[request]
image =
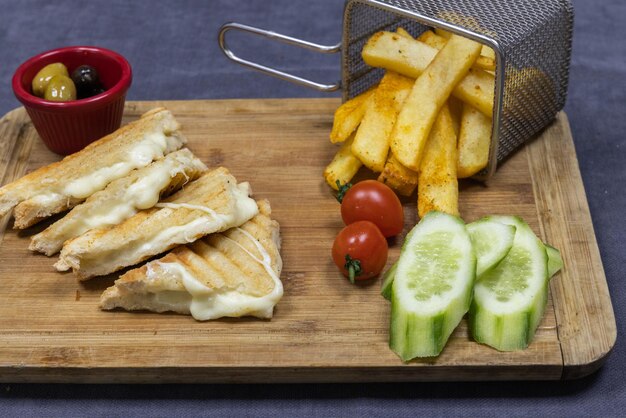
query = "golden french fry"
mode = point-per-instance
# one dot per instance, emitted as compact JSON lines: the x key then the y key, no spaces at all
{"x":430,"y":38}
{"x":485,"y":62}
{"x":456,"y":110}
{"x":430,"y":92}
{"x":398,"y":177}
{"x":348,"y":116}
{"x":397,"y":53}
{"x":438,"y":187}
{"x":443,"y":33}
{"x":411,"y":57}
{"x":403,"y":32}
{"x":474,"y":141}
{"x":477,"y":89}
{"x":343,"y":166}
{"x":371,"y":141}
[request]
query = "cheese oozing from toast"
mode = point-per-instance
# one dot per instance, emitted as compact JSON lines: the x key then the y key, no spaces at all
{"x":66,"y":183}
{"x":230,"y":274}
{"x":121,"y":199}
{"x":212,"y":203}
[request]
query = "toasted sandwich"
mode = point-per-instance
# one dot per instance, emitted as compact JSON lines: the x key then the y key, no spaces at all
{"x":230,"y":274}
{"x":212,"y":203}
{"x":64,"y":184}
{"x":121,"y":199}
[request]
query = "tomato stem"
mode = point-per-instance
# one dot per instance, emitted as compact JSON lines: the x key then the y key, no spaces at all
{"x":342,"y":190}
{"x":353,"y":266}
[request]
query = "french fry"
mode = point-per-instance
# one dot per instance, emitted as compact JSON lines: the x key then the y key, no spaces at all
{"x":486,"y":60}
{"x":343,"y":166}
{"x":474,"y":141}
{"x":398,"y":53}
{"x":443,"y":33}
{"x":477,"y":89}
{"x":348,"y":116}
{"x":456,"y":110}
{"x":430,"y":38}
{"x":438,"y":187}
{"x":398,"y":177}
{"x":371,"y":141}
{"x":430,"y":92}
{"x":411,"y":57}
{"x":403,"y":32}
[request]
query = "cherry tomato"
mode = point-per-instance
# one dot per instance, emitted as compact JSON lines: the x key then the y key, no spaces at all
{"x":360,"y":251}
{"x":373,"y":201}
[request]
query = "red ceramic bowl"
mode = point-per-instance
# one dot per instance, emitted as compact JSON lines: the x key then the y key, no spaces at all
{"x":67,"y":127}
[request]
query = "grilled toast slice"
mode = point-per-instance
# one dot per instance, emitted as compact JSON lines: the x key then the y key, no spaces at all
{"x":66,"y":183}
{"x":121,"y":199}
{"x":212,"y":203}
{"x":233,"y":273}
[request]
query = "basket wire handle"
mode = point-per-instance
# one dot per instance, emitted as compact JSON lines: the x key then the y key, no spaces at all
{"x":324,"y":49}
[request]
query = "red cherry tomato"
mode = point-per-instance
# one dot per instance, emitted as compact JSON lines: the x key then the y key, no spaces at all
{"x":360,"y":251}
{"x":373,"y":201}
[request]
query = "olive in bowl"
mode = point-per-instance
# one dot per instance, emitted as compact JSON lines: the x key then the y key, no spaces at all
{"x":68,"y":126}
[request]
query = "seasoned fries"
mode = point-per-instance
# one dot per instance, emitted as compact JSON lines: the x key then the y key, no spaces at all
{"x":427,"y":122}
{"x":343,"y":166}
{"x":398,"y":53}
{"x":437,"y":187}
{"x":398,"y":177}
{"x":371,"y":142}
{"x":410,"y":57}
{"x":348,"y":116}
{"x":431,"y":90}
{"x":474,"y":141}
{"x":486,"y":61}
{"x":477,"y":89}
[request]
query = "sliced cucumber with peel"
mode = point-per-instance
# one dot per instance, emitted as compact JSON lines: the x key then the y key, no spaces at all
{"x":432,"y":288}
{"x":555,"y":262}
{"x":509,"y":300}
{"x":492,"y":241}
{"x":388,"y":281}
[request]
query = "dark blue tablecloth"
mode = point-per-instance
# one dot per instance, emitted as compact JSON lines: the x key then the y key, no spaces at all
{"x":172,"y":47}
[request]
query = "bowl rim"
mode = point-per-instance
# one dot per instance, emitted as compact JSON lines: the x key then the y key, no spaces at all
{"x":30,"y":100}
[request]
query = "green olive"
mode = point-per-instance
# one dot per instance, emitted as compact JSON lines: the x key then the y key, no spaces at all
{"x":60,"y":89}
{"x":44,"y":75}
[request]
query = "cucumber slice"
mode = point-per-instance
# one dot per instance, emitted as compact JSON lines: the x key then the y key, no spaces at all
{"x":432,"y":287}
{"x":555,"y":262}
{"x":509,"y":300}
{"x":492,"y":241}
{"x":388,"y":281}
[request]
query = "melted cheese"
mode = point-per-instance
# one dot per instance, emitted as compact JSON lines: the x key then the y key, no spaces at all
{"x":142,"y":194}
{"x":117,"y":207}
{"x":207,"y":303}
{"x":153,"y":146}
{"x":244,"y":209}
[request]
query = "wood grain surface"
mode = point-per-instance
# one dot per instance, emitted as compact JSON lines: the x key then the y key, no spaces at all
{"x":324,"y":329}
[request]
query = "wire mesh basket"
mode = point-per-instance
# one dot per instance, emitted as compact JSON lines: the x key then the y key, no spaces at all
{"x":531,"y":40}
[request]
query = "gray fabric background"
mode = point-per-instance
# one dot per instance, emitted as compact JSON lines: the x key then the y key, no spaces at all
{"x":172,"y":47}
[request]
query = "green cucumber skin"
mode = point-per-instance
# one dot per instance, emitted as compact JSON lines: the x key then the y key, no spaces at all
{"x":555,"y":262}
{"x":514,"y":330}
{"x":412,"y":335}
{"x":510,"y":332}
{"x":388,"y":281}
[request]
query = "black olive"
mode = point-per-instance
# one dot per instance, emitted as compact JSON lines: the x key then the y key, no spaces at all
{"x":86,"y":80}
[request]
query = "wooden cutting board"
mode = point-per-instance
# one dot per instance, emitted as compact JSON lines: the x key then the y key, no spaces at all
{"x":324,"y":328}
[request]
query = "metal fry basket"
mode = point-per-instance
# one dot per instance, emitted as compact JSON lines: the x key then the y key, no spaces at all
{"x":531,"y":40}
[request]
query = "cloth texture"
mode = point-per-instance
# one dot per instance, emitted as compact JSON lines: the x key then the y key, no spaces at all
{"x":173,"y":49}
